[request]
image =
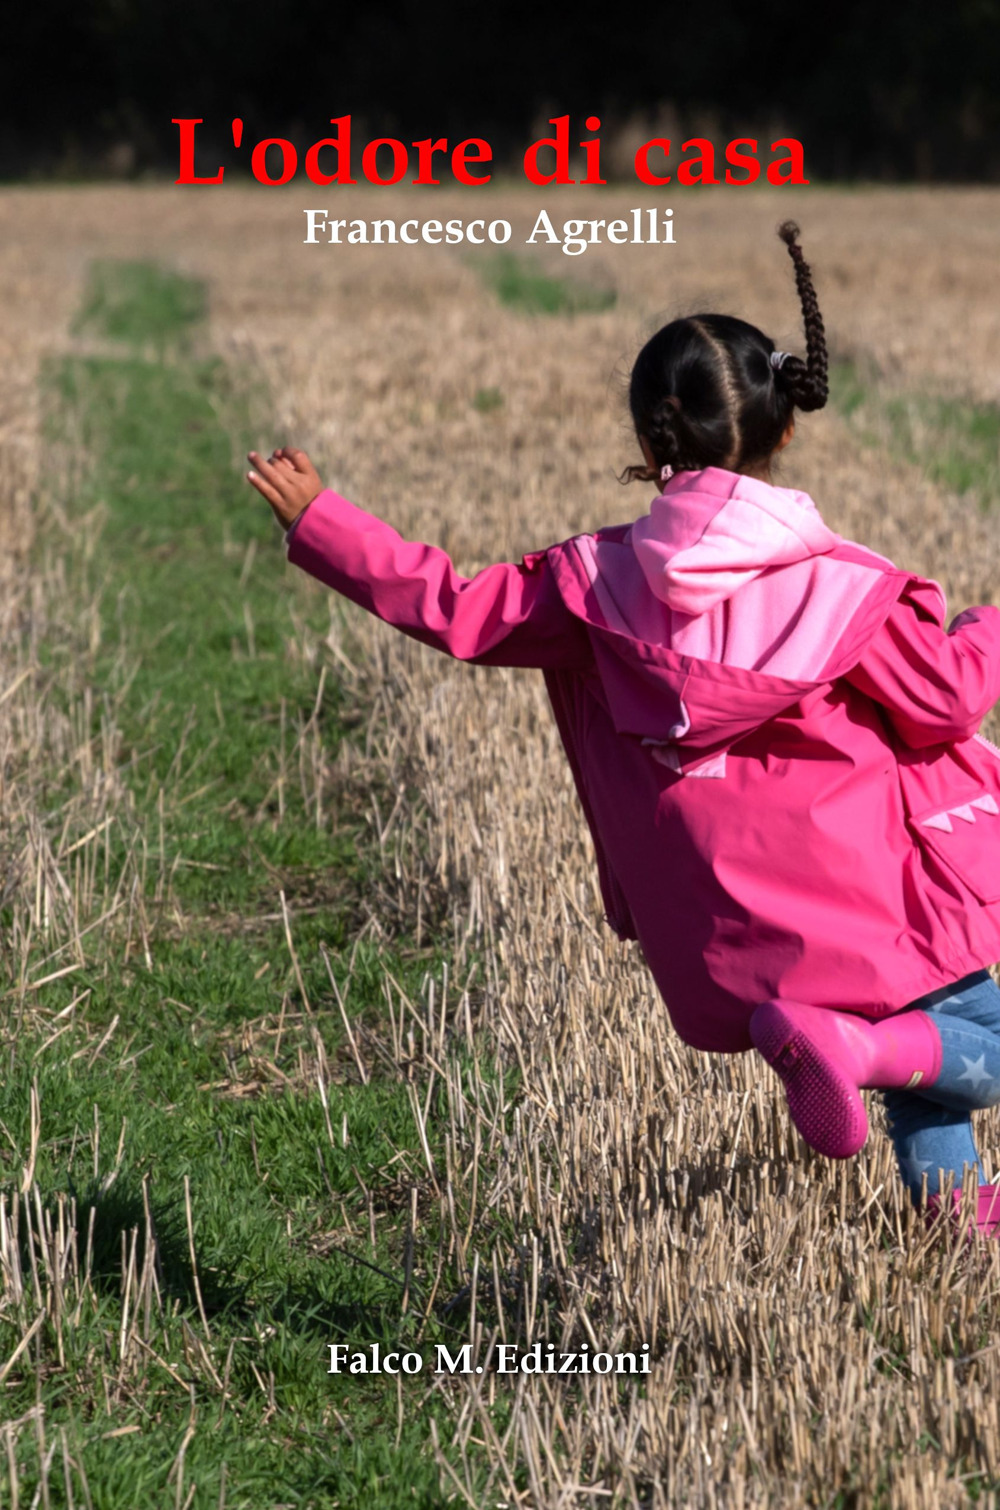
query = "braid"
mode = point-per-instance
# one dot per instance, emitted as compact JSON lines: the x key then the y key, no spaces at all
{"x":663,"y":435}
{"x":806,"y":381}
{"x":661,"y":429}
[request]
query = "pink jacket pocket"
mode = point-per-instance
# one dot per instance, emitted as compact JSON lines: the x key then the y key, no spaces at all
{"x":952,"y":806}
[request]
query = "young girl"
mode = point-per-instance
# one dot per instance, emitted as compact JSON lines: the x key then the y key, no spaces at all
{"x":772,"y":735}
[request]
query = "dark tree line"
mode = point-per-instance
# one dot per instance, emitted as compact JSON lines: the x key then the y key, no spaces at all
{"x":873,"y":91}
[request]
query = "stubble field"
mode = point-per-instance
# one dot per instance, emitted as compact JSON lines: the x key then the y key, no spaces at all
{"x":557,"y":1166}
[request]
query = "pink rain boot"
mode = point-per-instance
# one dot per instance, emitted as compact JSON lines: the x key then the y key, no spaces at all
{"x":987,"y":1213}
{"x":825,"y":1058}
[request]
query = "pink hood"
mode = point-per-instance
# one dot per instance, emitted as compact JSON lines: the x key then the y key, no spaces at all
{"x":701,"y":542}
{"x":735,"y":597}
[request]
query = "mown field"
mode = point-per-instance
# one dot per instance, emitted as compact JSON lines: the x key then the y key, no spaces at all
{"x":312,"y":1032}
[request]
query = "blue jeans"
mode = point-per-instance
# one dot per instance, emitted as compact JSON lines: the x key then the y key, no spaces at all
{"x":931,"y":1130}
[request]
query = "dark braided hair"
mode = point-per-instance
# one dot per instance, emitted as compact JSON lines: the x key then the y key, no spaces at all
{"x":703,"y":391}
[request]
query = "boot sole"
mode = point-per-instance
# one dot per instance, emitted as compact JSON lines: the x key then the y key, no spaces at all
{"x":823,"y":1103}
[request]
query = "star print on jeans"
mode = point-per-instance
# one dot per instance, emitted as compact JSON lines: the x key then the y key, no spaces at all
{"x":912,"y":1167}
{"x":975,"y":1071}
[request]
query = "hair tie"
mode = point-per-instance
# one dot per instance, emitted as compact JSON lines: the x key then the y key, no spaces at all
{"x":779,"y":358}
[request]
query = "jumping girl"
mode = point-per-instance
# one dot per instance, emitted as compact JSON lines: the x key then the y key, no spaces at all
{"x":773,"y":737}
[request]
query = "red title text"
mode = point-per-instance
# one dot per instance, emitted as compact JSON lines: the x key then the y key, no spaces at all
{"x":551,"y":160}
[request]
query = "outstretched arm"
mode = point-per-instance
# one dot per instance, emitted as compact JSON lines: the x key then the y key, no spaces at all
{"x":507,"y":615}
{"x":934,"y":684}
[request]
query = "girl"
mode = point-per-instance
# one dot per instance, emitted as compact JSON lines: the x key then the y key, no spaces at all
{"x":772,"y":735}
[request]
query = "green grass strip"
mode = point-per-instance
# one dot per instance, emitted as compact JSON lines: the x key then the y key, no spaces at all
{"x":955,"y":441}
{"x":196,"y":610}
{"x":521,"y":286}
{"x":138,"y":302}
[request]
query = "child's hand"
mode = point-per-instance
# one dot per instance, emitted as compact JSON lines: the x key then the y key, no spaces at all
{"x":288,"y":480}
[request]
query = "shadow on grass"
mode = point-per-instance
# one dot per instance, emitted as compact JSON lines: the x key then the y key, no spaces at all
{"x":109,"y":1220}
{"x":114,"y":1229}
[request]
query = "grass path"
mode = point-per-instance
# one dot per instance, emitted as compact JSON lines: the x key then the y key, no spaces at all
{"x":180,"y":1357}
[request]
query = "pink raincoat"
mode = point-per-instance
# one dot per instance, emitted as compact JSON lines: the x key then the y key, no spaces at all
{"x":772,"y":735}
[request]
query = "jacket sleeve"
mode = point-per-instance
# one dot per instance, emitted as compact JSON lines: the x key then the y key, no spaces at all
{"x":506,"y":615}
{"x":935,"y":685}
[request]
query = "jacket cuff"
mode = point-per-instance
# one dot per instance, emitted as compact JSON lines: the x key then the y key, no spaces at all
{"x":324,"y":520}
{"x":298,"y":520}
{"x":292,"y":527}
